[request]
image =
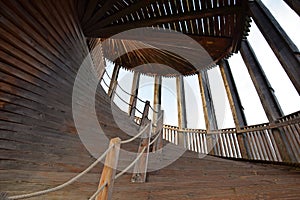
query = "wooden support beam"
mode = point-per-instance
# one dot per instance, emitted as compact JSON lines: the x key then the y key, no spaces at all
{"x":157,"y":97}
{"x":237,"y":109}
{"x":208,"y":111}
{"x":109,"y":170}
{"x":113,"y":81}
{"x":104,"y":32}
{"x":134,"y":93}
{"x":267,"y":97}
{"x":285,"y":50}
{"x":91,"y":5}
{"x":100,"y":13}
{"x":140,"y":168}
{"x":126,"y":11}
{"x":157,"y":107}
{"x":208,"y":105}
{"x":232,"y":94}
{"x":261,"y":83}
{"x":181,"y":105}
{"x":294,"y":4}
{"x":158,"y":144}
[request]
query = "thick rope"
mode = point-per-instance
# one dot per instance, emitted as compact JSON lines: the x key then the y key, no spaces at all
{"x":131,"y":165}
{"x":72,"y":180}
{"x":98,"y":191}
{"x":156,"y":137}
{"x":136,"y":136}
{"x":153,"y":109}
{"x":105,"y":83}
{"x":138,"y":111}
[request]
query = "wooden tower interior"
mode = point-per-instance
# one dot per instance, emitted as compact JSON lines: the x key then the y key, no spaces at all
{"x":62,"y":136}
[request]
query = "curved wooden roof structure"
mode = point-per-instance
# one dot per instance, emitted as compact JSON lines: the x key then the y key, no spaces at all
{"x":218,"y":26}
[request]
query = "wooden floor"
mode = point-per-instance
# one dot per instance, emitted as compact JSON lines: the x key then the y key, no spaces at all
{"x":187,"y":178}
{"x":43,"y":161}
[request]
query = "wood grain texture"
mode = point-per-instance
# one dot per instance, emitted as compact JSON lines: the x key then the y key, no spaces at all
{"x":41,"y":49}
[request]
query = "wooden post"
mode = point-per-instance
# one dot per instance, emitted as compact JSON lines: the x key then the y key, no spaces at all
{"x":134,"y":93}
{"x":266,"y":96}
{"x":157,"y":107}
{"x":182,"y":120}
{"x":208,"y":110}
{"x":235,"y":105}
{"x":294,"y":4}
{"x":112,"y":92}
{"x":140,"y":168}
{"x":159,"y":142}
{"x":283,"y":47}
{"x":113,"y":80}
{"x":157,"y":129}
{"x":261,"y":83}
{"x":109,"y":170}
{"x":145,"y":113}
{"x":157,"y":97}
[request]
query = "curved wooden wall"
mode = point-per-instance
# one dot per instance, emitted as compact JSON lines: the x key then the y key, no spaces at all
{"x":41,"y":48}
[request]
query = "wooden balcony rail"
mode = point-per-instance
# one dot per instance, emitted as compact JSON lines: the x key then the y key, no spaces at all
{"x":260,"y":140}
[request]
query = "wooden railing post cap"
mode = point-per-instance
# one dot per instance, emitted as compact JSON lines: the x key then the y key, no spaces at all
{"x":115,"y":140}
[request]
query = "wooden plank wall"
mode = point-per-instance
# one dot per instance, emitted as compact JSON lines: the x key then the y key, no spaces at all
{"x":41,"y":49}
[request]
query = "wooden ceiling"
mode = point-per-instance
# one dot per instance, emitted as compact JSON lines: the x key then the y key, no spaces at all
{"x":217,"y":25}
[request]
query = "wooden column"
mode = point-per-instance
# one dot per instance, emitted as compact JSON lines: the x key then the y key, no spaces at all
{"x":285,"y":50}
{"x":181,"y":105}
{"x":109,"y":170}
{"x":235,"y":105}
{"x":266,"y":95}
{"x":208,"y":105}
{"x":113,"y":81}
{"x":157,"y":107}
{"x":134,"y":93}
{"x":157,"y":97}
{"x":208,"y":110}
{"x":294,"y":4}
{"x":261,"y":83}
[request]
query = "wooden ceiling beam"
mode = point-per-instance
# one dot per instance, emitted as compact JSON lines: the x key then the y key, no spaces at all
{"x":240,"y":26}
{"x":98,"y":31}
{"x":101,"y":12}
{"x":128,"y":10}
{"x":91,"y":5}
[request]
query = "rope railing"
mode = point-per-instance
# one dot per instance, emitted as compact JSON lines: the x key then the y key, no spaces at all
{"x":155,"y":139}
{"x":98,"y":191}
{"x":136,"y":136}
{"x":122,"y":89}
{"x":138,"y":110}
{"x":153,"y":109}
{"x":122,"y":99}
{"x":72,"y":180}
{"x":131,"y":164}
{"x":132,"y":105}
